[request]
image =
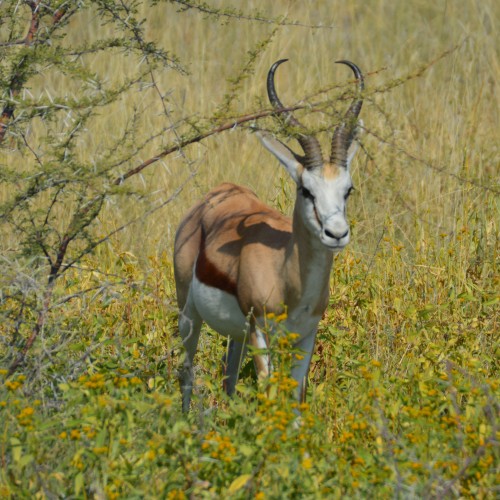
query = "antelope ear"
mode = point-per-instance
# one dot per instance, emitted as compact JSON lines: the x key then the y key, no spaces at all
{"x":353,"y":148}
{"x":284,"y":154}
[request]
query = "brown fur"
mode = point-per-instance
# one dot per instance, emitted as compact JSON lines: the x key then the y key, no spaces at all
{"x":245,"y":248}
{"x":330,"y":171}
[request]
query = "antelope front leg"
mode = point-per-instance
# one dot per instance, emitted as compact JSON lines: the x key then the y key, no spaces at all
{"x":301,"y":367}
{"x":236,"y":352}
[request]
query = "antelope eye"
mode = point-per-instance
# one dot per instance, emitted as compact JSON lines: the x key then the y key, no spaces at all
{"x":349,"y":191}
{"x":307,"y":194}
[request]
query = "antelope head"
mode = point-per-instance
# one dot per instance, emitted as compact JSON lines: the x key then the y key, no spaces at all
{"x":323,"y":185}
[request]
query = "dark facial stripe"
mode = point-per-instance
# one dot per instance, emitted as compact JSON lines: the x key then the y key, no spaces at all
{"x":208,"y":273}
{"x":317,"y":216}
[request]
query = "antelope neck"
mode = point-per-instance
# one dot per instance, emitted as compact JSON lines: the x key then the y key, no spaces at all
{"x":307,"y":255}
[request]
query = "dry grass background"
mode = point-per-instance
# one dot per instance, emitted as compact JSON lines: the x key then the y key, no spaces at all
{"x":428,"y":141}
{"x":425,"y":139}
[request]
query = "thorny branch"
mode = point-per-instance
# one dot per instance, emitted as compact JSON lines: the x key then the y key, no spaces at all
{"x":232,"y":124}
{"x":18,"y":78}
{"x":236,"y":14}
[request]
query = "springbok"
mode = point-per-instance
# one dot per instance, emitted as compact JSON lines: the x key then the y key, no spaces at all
{"x":236,"y":259}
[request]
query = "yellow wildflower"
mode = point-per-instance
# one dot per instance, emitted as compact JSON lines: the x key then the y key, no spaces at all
{"x":100,"y":450}
{"x":346,"y":436}
{"x":281,"y":317}
{"x":89,"y":432}
{"x":13,"y":385}
{"x":176,"y":495}
{"x":121,"y":381}
{"x":75,"y":434}
{"x":25,"y":416}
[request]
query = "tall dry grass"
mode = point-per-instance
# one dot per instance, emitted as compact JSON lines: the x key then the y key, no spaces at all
{"x":430,"y":142}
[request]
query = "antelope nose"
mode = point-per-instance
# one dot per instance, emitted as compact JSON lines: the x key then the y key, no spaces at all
{"x":336,"y":234}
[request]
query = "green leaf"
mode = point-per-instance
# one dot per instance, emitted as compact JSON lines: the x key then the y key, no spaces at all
{"x":16,"y":449}
{"x":239,"y":483}
{"x":79,"y":480}
{"x":25,"y":460}
{"x":246,"y":450}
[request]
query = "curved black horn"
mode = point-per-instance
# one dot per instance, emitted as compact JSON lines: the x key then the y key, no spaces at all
{"x":344,"y":133}
{"x":313,"y":158}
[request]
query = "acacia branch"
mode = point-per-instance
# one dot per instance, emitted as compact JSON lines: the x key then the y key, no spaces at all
{"x":40,"y":322}
{"x":203,"y":135}
{"x":232,"y":13}
{"x":269,"y":112}
{"x":19,"y":77}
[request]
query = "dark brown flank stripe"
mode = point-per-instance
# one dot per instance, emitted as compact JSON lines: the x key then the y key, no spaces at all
{"x":208,"y":274}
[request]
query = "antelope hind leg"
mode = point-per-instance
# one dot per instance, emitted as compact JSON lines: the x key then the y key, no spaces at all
{"x":189,"y":329}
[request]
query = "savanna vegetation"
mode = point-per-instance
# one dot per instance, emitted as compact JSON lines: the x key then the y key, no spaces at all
{"x":116,"y":117}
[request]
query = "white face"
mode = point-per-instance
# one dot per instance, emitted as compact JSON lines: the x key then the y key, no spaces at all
{"x":322,"y":193}
{"x":322,"y":197}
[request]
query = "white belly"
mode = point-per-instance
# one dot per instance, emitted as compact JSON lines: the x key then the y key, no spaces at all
{"x":220,"y":310}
